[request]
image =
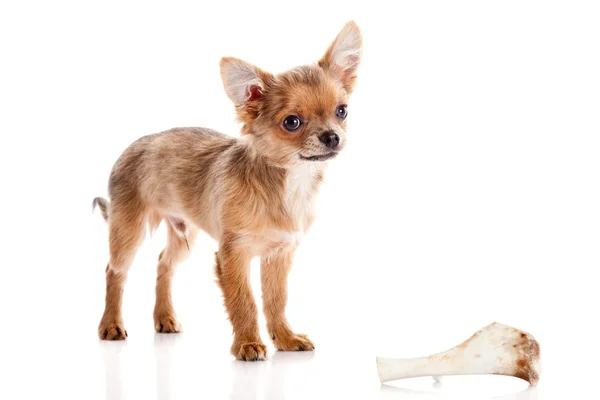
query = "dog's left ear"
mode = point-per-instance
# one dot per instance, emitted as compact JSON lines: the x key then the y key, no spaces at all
{"x":343,"y":56}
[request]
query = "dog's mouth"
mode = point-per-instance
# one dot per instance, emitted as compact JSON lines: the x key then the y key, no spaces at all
{"x":319,"y":157}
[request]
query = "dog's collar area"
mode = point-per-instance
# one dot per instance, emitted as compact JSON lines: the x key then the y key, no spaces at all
{"x":319,"y":157}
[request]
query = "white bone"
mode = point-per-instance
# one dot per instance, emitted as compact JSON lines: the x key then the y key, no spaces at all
{"x":495,"y":349}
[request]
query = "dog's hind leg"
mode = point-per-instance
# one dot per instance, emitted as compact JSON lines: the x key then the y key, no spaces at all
{"x":180,"y":238}
{"x":126,"y":231}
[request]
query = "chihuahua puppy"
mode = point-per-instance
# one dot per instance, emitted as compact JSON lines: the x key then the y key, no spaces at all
{"x":254,"y":194}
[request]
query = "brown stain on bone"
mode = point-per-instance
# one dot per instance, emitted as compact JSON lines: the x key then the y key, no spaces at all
{"x":529,"y":352}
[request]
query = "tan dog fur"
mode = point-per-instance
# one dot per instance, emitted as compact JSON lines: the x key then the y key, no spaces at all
{"x":254,"y":195}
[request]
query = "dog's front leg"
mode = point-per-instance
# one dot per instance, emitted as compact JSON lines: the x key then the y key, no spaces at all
{"x":274,"y":274}
{"x":233,"y":270}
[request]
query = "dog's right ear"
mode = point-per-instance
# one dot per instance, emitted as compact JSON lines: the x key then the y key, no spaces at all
{"x":244,"y":83}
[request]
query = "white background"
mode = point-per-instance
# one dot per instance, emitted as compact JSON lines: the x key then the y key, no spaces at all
{"x":469,"y":194}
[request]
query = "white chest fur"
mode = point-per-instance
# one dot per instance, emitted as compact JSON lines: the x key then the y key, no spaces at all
{"x":300,"y":193}
{"x":299,"y":201}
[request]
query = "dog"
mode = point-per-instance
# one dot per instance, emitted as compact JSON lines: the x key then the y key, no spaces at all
{"x":253,"y":194}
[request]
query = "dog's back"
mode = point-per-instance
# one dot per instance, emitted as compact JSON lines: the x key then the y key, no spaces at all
{"x":169,"y":172}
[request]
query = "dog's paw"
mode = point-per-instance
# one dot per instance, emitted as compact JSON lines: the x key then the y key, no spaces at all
{"x":253,"y":351}
{"x":112,"y":331}
{"x":166,"y":324}
{"x":293,"y":342}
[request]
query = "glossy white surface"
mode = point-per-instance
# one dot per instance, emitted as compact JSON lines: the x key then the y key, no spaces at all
{"x":469,"y":193}
{"x":161,"y":366}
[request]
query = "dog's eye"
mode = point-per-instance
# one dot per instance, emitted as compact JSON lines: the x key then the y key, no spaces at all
{"x":292,"y":123}
{"x":342,"y":111}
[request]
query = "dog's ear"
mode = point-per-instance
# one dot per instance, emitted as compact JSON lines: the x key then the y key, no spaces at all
{"x":343,"y":56}
{"x":243,"y":81}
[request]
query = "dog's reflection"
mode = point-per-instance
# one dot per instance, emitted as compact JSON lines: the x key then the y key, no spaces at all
{"x":111,"y":353}
{"x":113,"y":361}
{"x":250,"y":380}
{"x":249,"y":377}
{"x":246,"y":379}
{"x":164,"y":345}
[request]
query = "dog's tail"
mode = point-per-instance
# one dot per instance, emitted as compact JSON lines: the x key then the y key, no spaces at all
{"x":103,"y":205}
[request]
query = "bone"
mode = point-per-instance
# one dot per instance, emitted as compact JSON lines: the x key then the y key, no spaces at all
{"x":495,"y":349}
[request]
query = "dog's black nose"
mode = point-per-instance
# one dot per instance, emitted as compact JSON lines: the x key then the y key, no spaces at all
{"x":330,"y":139}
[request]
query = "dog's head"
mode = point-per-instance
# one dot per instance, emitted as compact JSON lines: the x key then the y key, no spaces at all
{"x":298,"y":116}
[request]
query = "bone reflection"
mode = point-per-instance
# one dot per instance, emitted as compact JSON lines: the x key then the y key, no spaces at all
{"x":528,"y":394}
